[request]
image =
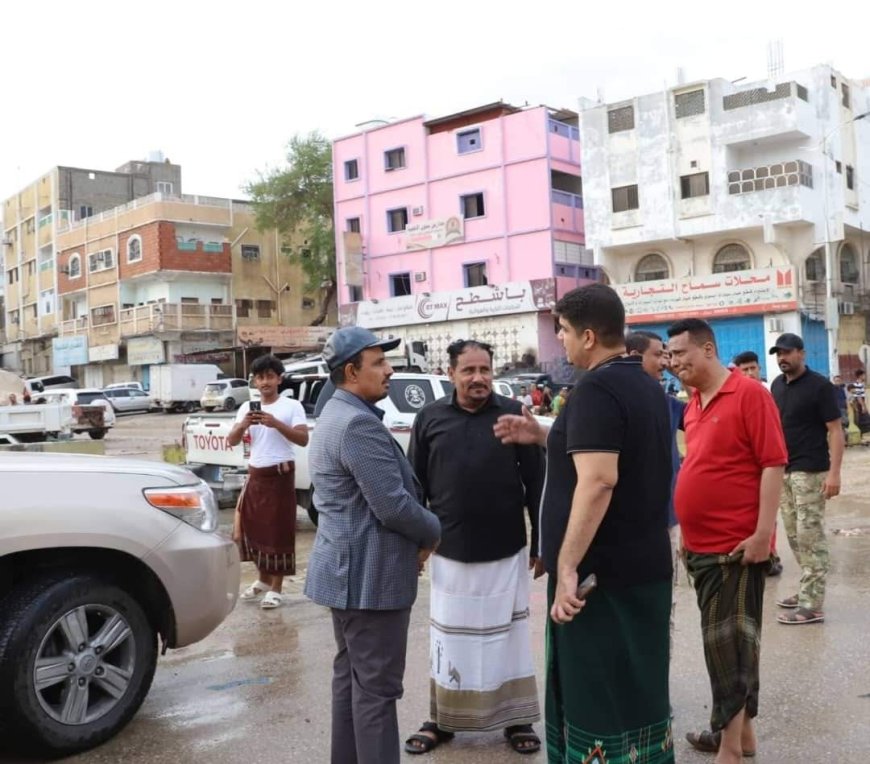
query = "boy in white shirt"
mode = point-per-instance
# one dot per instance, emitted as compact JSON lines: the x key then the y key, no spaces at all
{"x":265,"y":521}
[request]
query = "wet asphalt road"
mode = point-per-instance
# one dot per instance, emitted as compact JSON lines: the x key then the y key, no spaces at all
{"x":257,"y":690}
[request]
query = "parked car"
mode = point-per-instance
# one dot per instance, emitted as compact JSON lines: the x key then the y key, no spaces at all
{"x":123,"y":385}
{"x":226,"y":394}
{"x":96,"y":564}
{"x":54,"y":382}
{"x":128,"y":399}
{"x":92,"y":412}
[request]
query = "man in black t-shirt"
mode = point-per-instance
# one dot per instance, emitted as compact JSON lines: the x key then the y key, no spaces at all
{"x":814,"y":438}
{"x":605,"y":512}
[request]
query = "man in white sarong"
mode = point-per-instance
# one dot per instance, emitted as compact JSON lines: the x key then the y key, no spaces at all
{"x":481,"y":673}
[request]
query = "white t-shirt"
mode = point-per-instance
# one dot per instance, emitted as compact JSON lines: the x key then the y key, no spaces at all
{"x":268,"y":446}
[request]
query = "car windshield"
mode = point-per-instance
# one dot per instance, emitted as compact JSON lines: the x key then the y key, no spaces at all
{"x":214,"y":388}
{"x":87,"y":398}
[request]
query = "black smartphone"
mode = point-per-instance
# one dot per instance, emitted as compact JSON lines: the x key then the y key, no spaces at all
{"x":255,"y":407}
{"x":586,"y":586}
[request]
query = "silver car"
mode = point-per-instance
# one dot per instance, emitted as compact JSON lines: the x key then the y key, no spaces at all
{"x":128,"y":399}
{"x":97,"y":563}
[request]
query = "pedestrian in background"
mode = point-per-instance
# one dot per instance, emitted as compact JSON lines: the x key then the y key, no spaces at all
{"x":525,"y":398}
{"x":814,"y":437}
{"x":265,"y":519}
{"x":560,"y":400}
{"x":373,"y":536}
{"x":842,"y":398}
{"x":655,"y":360}
{"x":605,"y":512}
{"x":482,"y":676}
{"x":726,"y":499}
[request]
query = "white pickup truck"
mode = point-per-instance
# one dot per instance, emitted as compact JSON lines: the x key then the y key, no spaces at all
{"x":35,"y":422}
{"x":224,"y":467}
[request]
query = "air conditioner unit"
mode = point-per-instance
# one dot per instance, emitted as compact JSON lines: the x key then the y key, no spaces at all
{"x":420,"y":276}
{"x":847,"y":308}
{"x":774,"y":325}
{"x":417,"y":211}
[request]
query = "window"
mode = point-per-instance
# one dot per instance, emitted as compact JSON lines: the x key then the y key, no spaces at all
{"x":652,"y":267}
{"x":838,"y":166}
{"x":472,"y":206}
{"x":624,"y":198}
{"x":400,"y":284}
{"x":47,"y":302}
{"x":75,"y":266}
{"x":217,"y":301}
{"x":164,"y":187}
{"x":14,"y":317}
{"x":815,"y":266}
{"x":397,"y":220}
{"x":474,"y":274}
{"x":848,"y":265}
{"x":468,"y":141}
{"x":847,"y":96}
{"x":694,"y":185}
{"x":190,"y":300}
{"x":568,"y":252}
{"x":265,"y":308}
{"x":620,"y":119}
{"x":250,"y":251}
{"x":101,"y":261}
{"x":353,"y":225}
{"x":243,"y":308}
{"x":410,"y":395}
{"x":105,"y":314}
{"x":85,"y":211}
{"x":351,"y":169}
{"x":689,"y":104}
{"x":355,"y":293}
{"x":12,"y":276}
{"x":394,"y":159}
{"x":134,"y":249}
{"x":833,"y":82}
{"x":307,"y":303}
{"x":850,"y":178}
{"x":732,"y":257}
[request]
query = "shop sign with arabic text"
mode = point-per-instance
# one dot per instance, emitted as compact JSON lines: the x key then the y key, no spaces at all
{"x":771,"y":290}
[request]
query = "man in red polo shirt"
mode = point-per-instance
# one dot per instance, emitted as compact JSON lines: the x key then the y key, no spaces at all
{"x":726,"y":500}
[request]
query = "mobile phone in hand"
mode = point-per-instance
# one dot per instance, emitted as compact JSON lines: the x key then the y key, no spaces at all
{"x":586,"y":586}
{"x":255,"y":407}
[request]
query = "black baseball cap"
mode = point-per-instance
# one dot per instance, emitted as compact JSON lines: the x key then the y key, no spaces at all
{"x":787,"y":341}
{"x":343,"y":344}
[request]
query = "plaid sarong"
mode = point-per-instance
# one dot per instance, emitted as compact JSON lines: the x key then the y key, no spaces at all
{"x":730,"y":596}
{"x":607,"y":679}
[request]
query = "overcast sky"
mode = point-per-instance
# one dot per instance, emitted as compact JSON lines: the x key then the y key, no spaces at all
{"x":220,"y":86}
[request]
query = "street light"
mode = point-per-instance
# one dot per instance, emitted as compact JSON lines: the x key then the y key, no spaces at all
{"x":831,"y":308}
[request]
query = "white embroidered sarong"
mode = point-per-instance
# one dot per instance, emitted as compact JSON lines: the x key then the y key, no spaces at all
{"x":481,"y":674}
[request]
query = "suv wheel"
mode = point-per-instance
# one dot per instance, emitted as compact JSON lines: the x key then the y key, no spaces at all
{"x":77,"y":656}
{"x":229,"y":404}
{"x":97,"y":434}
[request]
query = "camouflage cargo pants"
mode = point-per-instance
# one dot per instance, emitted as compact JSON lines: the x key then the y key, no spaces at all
{"x":803,"y":513}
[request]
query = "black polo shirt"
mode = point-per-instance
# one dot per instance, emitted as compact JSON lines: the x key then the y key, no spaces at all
{"x":806,"y":405}
{"x":616,"y":408}
{"x":477,"y":486}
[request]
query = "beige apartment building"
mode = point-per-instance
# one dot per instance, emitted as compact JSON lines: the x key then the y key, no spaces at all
{"x":171,"y":279}
{"x":108,"y":289}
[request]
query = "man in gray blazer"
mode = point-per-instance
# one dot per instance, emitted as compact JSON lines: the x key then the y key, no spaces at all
{"x":373,"y":536}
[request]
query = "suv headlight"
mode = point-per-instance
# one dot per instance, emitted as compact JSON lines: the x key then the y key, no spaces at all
{"x":195,"y":504}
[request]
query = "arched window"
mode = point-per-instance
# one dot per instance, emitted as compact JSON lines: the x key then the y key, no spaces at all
{"x":134,"y":248}
{"x":732,"y":257}
{"x":815,"y":265}
{"x":849,"y":273}
{"x":652,"y":267}
{"x":75,"y":266}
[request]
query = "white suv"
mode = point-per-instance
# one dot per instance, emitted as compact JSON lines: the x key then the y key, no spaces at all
{"x":226,"y":394}
{"x":96,"y":563}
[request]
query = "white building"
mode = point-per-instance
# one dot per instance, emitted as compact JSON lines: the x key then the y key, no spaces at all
{"x":717,"y":199}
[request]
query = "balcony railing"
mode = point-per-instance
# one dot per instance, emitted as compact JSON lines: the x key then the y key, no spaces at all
{"x":776,"y":175}
{"x":175,"y":317}
{"x":569,"y":200}
{"x":763,"y":95}
{"x":74,"y":326}
{"x":566,"y":131}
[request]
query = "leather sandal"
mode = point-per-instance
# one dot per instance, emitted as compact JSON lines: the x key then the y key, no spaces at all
{"x":789,"y":602}
{"x":708,"y":742}
{"x":523,"y":739}
{"x":800,"y":616}
{"x":420,"y":743}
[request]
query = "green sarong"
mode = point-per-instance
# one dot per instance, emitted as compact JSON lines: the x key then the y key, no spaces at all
{"x":607,"y":679}
{"x":730,"y":596}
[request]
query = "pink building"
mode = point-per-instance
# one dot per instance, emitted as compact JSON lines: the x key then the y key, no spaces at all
{"x":469,"y":225}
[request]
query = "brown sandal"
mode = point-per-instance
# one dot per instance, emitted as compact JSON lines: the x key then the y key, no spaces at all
{"x":789,"y":602}
{"x":523,"y":739}
{"x":800,"y":616}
